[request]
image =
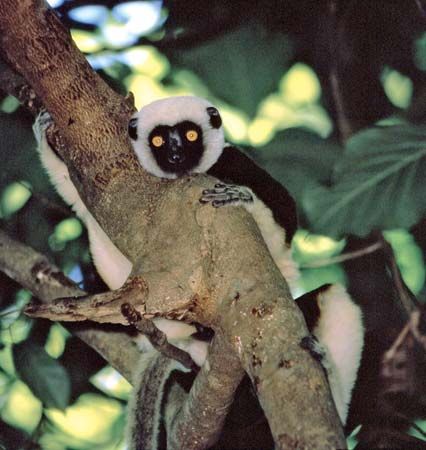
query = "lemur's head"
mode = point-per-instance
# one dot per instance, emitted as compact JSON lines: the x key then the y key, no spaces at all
{"x":177,"y":136}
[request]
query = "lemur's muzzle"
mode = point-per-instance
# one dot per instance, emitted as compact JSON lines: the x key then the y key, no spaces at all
{"x":175,"y":153}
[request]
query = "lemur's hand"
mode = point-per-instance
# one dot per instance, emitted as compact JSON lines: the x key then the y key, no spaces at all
{"x":41,"y":124}
{"x":226,"y":194}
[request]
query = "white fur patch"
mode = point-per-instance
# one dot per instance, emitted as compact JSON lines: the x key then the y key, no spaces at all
{"x":178,"y":333}
{"x":274,"y":237}
{"x":341,"y":333}
{"x":113,"y":267}
{"x":170,"y":111}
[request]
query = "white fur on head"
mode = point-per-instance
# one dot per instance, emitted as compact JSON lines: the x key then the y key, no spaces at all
{"x":170,"y":111}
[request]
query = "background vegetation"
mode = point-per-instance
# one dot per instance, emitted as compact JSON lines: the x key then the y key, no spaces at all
{"x":328,"y":96}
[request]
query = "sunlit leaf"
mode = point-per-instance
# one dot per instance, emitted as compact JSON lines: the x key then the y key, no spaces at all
{"x":87,"y":42}
{"x":378,"y":183}
{"x":312,"y":247}
{"x":261,"y":131}
{"x":112,"y":383}
{"x":45,"y":376}
{"x":300,"y":85}
{"x":68,"y":230}
{"x":140,"y":17}
{"x":90,"y":418}
{"x":235,"y":123}
{"x":145,"y":89}
{"x":55,"y":343}
{"x":90,"y":14}
{"x":409,"y":258}
{"x":116,"y":35}
{"x":6,"y":360}
{"x":398,"y":87}
{"x":9,"y":104}
{"x":146,"y":60}
{"x":13,"y":198}
{"x":22,"y":409}
{"x":16,"y":331}
{"x":253,"y":59}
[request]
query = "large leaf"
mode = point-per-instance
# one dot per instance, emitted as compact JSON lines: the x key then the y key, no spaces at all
{"x":241,"y":67}
{"x":298,"y":159}
{"x":379,"y":183}
{"x":45,"y":376}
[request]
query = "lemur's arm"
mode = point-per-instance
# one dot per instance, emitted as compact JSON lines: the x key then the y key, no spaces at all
{"x":233,"y":166}
{"x":111,"y":264}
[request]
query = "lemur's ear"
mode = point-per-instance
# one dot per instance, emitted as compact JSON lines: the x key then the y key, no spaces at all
{"x":215,"y":119}
{"x":133,"y":128}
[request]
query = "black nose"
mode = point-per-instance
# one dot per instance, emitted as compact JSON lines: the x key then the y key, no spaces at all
{"x":176,"y":157}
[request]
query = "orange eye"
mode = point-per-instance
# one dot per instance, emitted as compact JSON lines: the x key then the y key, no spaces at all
{"x":191,"y":135}
{"x":157,"y":141}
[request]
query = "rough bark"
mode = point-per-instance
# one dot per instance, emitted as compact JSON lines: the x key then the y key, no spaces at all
{"x":214,"y":258}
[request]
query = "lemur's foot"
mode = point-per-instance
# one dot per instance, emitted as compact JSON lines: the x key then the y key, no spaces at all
{"x":226,"y":194}
{"x":311,"y":344}
{"x":41,"y":124}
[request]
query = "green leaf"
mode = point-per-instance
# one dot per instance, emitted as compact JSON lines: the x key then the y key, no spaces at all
{"x":298,"y":159}
{"x":241,"y":67}
{"x":45,"y":376}
{"x":378,"y":184}
{"x":409,"y":258}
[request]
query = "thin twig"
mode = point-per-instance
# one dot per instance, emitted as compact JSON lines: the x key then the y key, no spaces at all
{"x":157,"y":338}
{"x":342,"y":257}
{"x":407,"y":298}
{"x":343,"y":123}
{"x":422,"y":7}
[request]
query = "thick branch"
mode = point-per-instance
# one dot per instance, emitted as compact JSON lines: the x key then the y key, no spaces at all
{"x":34,"y":272}
{"x":197,"y":425}
{"x":144,"y":294}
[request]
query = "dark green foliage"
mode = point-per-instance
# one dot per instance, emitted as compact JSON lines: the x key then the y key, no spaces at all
{"x":241,"y":67}
{"x":45,"y":376}
{"x":299,"y":159}
{"x":378,"y":183}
